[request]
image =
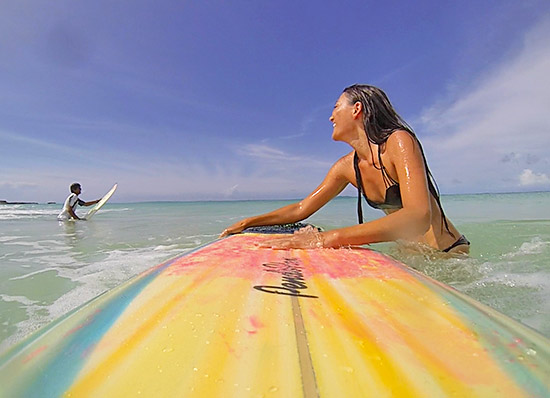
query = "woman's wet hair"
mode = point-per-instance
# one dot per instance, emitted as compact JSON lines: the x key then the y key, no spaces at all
{"x":379,"y":117}
{"x":380,"y":120}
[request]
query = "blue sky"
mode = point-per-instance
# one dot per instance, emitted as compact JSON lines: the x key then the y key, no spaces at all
{"x":202,"y":100}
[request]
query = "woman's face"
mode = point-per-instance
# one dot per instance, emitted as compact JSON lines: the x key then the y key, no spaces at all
{"x":342,"y":118}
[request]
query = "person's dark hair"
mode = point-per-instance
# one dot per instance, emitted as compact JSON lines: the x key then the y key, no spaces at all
{"x":380,"y":120}
{"x":74,"y":186}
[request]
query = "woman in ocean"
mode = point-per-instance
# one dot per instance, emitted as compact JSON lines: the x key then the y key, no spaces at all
{"x":388,"y":167}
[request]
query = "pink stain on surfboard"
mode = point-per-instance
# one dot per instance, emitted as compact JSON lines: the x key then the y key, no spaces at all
{"x":255,"y":323}
{"x":245,"y":259}
{"x":34,"y":354}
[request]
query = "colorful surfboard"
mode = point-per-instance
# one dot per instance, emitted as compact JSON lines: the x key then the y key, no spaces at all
{"x":232,"y":319}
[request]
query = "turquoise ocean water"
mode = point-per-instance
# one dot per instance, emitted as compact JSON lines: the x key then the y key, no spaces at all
{"x":48,"y":268}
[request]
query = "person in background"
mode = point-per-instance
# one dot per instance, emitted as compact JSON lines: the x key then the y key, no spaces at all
{"x":388,"y":167}
{"x":71,"y":202}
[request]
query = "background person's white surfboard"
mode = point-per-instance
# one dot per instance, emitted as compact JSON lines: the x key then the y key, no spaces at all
{"x":101,"y":202}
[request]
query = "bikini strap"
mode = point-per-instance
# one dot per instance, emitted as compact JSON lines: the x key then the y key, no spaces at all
{"x":388,"y":181}
{"x":359,"y":184}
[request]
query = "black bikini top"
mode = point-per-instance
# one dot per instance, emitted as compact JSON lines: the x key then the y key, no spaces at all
{"x":393,"y":194}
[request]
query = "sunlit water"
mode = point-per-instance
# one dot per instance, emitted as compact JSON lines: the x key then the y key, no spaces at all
{"x":48,"y":267}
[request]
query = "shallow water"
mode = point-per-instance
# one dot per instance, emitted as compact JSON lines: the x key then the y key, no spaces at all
{"x":48,"y":267}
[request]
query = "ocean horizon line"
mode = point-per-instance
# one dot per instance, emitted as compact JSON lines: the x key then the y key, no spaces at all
{"x":6,"y":202}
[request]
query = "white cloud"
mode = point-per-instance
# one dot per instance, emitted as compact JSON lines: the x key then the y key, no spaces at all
{"x":29,"y":141}
{"x":504,"y":112}
{"x":266,"y":152}
{"x":278,"y":157}
{"x":529,"y":178}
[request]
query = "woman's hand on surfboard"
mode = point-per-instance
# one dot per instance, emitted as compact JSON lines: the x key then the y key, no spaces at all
{"x":233,"y":229}
{"x":305,"y":238}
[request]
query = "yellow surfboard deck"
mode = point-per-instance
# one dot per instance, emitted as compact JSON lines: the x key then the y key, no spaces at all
{"x":232,"y":319}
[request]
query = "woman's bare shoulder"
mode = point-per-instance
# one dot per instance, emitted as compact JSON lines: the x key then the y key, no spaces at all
{"x":347,"y":157}
{"x":401,"y":140}
{"x":343,"y":167}
{"x":345,"y":161}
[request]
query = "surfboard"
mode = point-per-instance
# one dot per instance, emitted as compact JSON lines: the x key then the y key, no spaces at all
{"x":101,"y":202}
{"x":234,"y":319}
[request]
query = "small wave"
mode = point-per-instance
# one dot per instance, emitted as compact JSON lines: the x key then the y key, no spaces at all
{"x":34,"y":312}
{"x":117,"y":266}
{"x":38,"y":249}
{"x":200,"y":239}
{"x":11,"y":214}
{"x":30,"y":274}
{"x":165,"y":247}
{"x":534,"y":246}
{"x":455,"y":271}
{"x":18,"y":299}
{"x":537,"y":280}
{"x":4,"y":239}
{"x":111,"y":210}
{"x":202,"y":236}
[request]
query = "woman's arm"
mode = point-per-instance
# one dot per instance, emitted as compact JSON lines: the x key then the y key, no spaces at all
{"x":334,"y":182}
{"x":409,"y":222}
